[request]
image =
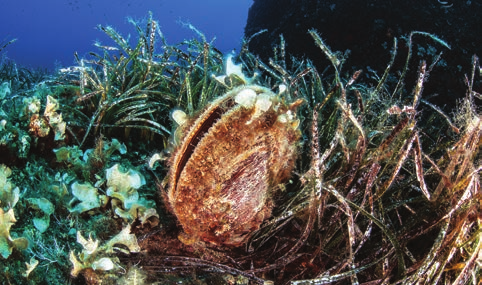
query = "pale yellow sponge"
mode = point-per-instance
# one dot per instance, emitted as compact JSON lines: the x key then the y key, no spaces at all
{"x":9,"y":196}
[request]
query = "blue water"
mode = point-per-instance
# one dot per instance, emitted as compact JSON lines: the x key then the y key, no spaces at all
{"x":49,"y":32}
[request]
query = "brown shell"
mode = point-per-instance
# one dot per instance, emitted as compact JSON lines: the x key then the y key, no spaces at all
{"x":223,"y":172}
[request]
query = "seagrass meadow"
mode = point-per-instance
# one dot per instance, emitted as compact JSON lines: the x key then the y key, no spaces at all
{"x":110,"y":170}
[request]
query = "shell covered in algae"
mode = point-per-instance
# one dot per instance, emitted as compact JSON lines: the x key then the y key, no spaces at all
{"x":229,"y":161}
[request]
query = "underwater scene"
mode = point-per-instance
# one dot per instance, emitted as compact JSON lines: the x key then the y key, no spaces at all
{"x":331,"y":142}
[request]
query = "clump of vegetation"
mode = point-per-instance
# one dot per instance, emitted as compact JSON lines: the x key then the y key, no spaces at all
{"x":57,"y":135}
{"x":126,"y":88}
{"x":388,"y":189}
{"x":389,"y":193}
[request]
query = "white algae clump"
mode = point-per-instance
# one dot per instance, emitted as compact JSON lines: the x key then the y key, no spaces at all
{"x":46,"y":208}
{"x":95,"y":256}
{"x":86,"y":198}
{"x":123,"y":186}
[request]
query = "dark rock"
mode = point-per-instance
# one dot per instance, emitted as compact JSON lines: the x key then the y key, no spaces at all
{"x":367,"y":29}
